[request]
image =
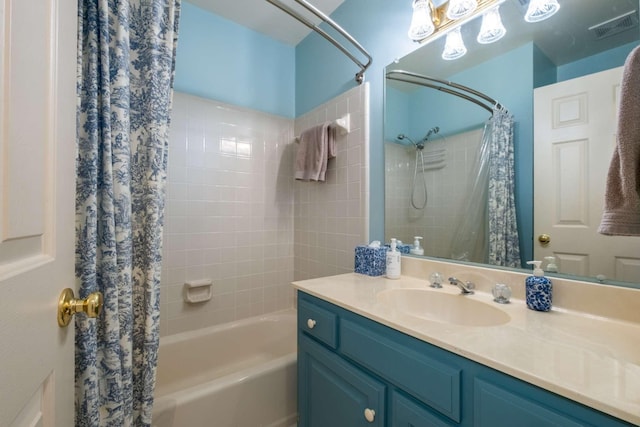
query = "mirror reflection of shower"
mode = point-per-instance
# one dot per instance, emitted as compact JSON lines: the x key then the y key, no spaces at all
{"x":419,"y":157}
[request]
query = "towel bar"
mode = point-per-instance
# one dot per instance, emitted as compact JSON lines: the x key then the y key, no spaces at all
{"x":342,"y":126}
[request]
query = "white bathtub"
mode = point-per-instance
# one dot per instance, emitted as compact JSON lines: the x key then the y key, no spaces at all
{"x":241,"y":374}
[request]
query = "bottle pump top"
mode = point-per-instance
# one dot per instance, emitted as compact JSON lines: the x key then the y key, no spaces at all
{"x":537,"y":271}
{"x":393,"y":244}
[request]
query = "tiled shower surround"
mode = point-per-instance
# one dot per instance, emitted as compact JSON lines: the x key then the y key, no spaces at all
{"x":331,"y":218}
{"x":447,"y":186}
{"x":234,"y":210}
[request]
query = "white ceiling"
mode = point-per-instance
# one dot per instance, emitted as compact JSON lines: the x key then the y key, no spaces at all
{"x":265,"y":18}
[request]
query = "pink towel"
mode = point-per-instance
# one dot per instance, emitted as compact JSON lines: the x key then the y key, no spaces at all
{"x":317,"y":146}
{"x":622,"y":197}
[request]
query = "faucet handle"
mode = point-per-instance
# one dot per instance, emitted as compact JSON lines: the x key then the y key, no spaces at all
{"x":436,"y":279}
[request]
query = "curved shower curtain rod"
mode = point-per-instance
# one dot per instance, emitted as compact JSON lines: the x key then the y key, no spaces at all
{"x":402,"y":77}
{"x":332,"y":24}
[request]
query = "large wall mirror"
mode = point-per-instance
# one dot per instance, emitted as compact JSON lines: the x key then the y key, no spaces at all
{"x":559,"y":79}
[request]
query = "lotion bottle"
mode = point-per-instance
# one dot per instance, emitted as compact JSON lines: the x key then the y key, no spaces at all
{"x":538,"y":289}
{"x":393,"y":261}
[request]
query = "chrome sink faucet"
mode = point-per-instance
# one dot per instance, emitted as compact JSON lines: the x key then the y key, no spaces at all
{"x":465,"y":287}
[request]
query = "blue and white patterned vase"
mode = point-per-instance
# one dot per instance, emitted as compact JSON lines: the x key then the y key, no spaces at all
{"x":538,"y":292}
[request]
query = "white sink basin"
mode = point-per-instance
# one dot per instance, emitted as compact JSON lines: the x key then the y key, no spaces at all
{"x":442,"y":307}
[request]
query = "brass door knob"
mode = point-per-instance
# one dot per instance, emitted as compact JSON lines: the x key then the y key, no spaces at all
{"x":544,"y":239}
{"x":68,"y":305}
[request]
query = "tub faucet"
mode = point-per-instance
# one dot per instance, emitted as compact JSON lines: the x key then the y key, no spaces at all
{"x":465,"y":288}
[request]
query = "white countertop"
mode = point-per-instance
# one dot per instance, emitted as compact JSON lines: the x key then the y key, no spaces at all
{"x":591,"y":359}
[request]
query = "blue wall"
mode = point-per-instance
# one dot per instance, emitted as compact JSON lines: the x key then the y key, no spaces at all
{"x":596,"y":63}
{"x":221,"y":60}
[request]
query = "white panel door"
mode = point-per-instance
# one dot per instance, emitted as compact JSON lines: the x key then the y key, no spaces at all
{"x":37,"y":186}
{"x":574,"y":139}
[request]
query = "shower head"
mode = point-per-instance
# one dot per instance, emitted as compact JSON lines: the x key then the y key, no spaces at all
{"x":403,"y":137}
{"x":433,"y":130}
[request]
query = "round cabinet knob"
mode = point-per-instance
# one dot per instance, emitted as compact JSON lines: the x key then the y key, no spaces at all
{"x":369,"y":415}
{"x":545,"y":239}
{"x":311,"y":323}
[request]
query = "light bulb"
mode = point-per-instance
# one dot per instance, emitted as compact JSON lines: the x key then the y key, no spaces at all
{"x":454,"y":47}
{"x":539,"y":10}
{"x":460,"y":8}
{"x":421,"y":22}
{"x":491,"y":29}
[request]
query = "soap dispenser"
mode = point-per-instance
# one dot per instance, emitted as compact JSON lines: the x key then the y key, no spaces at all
{"x":551,"y":264}
{"x":417,"y":249}
{"x":393,"y":261}
{"x":538,"y":289}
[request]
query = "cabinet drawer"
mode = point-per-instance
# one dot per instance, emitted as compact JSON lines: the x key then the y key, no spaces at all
{"x":318,"y":323}
{"x":426,"y":379}
{"x":407,"y":413}
{"x":496,"y":407}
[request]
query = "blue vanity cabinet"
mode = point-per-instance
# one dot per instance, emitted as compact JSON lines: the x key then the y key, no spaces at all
{"x":348,"y":363}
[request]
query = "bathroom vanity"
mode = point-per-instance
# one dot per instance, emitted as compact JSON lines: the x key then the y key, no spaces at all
{"x":365,"y":358}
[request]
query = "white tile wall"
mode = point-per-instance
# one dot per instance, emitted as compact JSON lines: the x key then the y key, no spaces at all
{"x":331,"y":218}
{"x":229,"y":213}
{"x":447,"y":189}
{"x":230,"y":209}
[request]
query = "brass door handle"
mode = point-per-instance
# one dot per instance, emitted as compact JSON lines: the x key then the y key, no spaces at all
{"x":544,"y":239}
{"x":68,"y":305}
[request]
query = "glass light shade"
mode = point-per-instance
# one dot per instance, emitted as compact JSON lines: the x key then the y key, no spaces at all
{"x":454,"y":47}
{"x":491,"y":29}
{"x":460,"y":8}
{"x":421,"y":22}
{"x":539,"y":10}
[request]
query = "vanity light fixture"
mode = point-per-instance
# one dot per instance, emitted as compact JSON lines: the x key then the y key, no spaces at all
{"x":454,"y":47}
{"x":539,"y":10}
{"x":460,"y":8}
{"x":422,"y":25}
{"x":491,"y":29}
{"x":429,"y":22}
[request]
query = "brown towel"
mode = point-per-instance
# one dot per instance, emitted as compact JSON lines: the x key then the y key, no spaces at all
{"x":622,"y":197}
{"x":317,"y":146}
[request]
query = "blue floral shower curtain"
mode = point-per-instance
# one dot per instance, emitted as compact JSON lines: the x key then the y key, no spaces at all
{"x":504,"y":244}
{"x":126,"y":61}
{"x":487,"y":230}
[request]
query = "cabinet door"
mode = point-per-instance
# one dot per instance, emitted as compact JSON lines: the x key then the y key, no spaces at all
{"x":334,"y":393}
{"x":406,"y":413}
